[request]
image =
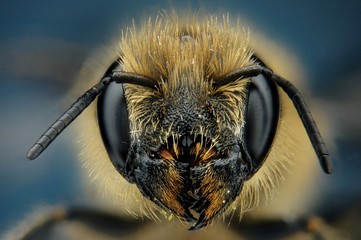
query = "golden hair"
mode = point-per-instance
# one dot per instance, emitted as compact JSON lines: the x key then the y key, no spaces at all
{"x":190,"y":51}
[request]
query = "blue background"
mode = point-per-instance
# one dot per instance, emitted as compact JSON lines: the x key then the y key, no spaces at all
{"x":43,"y":44}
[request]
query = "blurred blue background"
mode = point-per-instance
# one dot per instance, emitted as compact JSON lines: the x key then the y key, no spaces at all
{"x":44,"y":43}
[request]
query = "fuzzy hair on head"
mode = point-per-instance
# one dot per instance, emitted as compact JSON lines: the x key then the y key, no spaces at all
{"x":187,"y":53}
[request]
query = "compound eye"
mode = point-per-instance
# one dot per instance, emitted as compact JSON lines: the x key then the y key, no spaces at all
{"x":261,"y":118}
{"x":114,"y":124}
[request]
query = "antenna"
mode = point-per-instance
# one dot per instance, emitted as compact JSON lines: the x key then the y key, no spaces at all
{"x":81,"y":104}
{"x":298,"y":101}
{"x":68,"y":117}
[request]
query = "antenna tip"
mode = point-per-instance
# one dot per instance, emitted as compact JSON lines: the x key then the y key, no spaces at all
{"x":326,"y":164}
{"x":35,"y":151}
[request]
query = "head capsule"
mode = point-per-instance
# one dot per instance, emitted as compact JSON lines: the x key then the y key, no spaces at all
{"x":171,"y":181}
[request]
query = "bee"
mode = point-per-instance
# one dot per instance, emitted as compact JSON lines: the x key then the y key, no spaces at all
{"x":190,"y":121}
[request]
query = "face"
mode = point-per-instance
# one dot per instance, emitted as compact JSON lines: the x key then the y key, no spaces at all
{"x":188,"y":114}
{"x":187,"y":155}
{"x":186,"y":149}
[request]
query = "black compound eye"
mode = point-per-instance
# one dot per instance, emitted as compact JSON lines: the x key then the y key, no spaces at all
{"x":114,"y":124}
{"x":261,"y":118}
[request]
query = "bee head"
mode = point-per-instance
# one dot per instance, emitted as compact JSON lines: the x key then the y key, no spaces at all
{"x":188,"y":115}
{"x":184,"y":158}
